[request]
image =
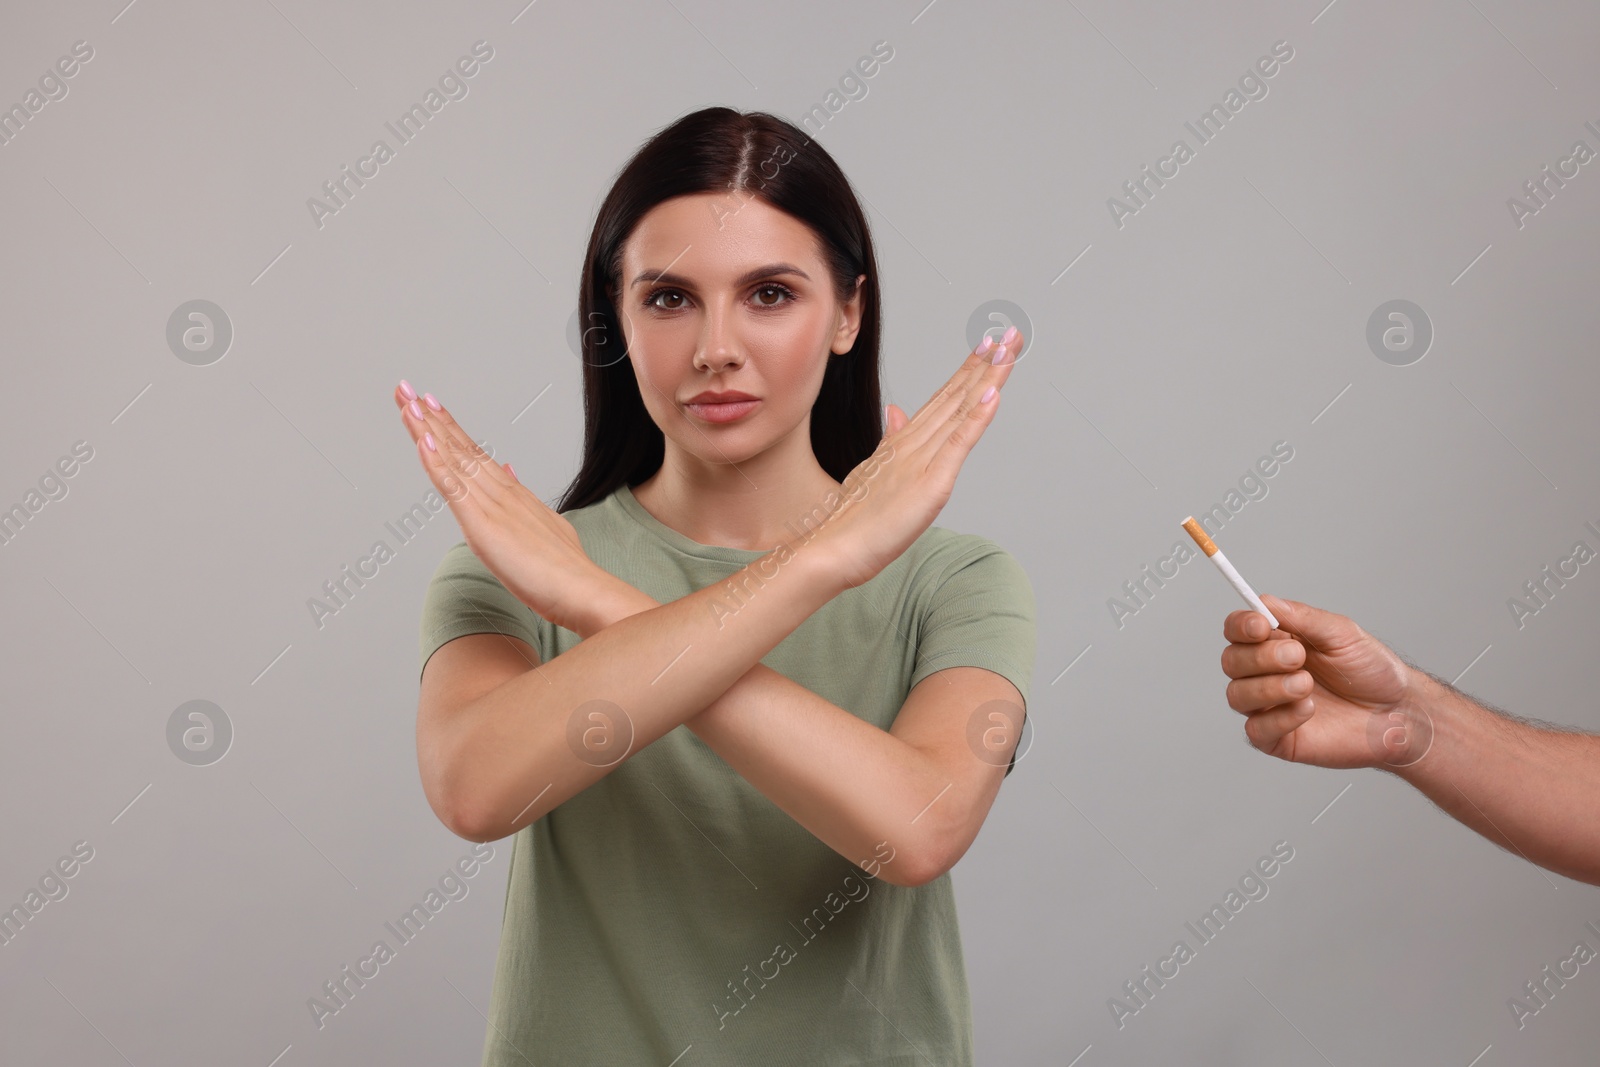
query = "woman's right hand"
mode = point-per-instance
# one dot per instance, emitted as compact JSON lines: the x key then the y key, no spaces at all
{"x":894,"y":495}
{"x":532,"y":549}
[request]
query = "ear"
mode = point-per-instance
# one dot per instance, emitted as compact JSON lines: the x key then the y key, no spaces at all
{"x":849,"y":320}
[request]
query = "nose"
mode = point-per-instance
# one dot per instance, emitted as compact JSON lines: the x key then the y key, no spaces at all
{"x":719,"y":344}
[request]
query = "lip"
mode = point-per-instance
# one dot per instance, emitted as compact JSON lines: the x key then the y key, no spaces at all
{"x":727,"y":411}
{"x":713,"y":397}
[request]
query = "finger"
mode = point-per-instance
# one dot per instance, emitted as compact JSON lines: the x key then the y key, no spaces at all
{"x":1323,"y":629}
{"x":961,"y":381}
{"x":896,"y":419}
{"x":1247,"y":625}
{"x":999,"y":366}
{"x":992,"y":375}
{"x":404,"y":397}
{"x":992,"y":372}
{"x":462,"y":453}
{"x":427,"y":437}
{"x":1266,"y":657}
{"x":513,"y":474}
{"x":455,"y":463}
{"x":1267,"y":690}
{"x":439,"y":457}
{"x":967,"y":424}
{"x":436,"y":463}
{"x":959,"y":412}
{"x":1267,"y":729}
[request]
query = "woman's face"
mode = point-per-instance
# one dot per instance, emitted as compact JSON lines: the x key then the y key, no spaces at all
{"x":724,"y":293}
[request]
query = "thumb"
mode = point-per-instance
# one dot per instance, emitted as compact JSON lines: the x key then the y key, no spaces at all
{"x":1323,"y":629}
{"x":894,"y":419}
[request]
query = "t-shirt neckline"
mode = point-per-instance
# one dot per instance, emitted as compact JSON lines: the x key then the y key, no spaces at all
{"x":680,"y":542}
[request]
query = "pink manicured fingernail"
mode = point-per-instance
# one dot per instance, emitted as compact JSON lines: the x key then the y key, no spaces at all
{"x":512,"y":473}
{"x":427,"y":439}
{"x":999,"y":355}
{"x":985,"y":344}
{"x":1010,"y":335}
{"x":988,"y":395}
{"x":432,"y":403}
{"x":415,"y":409}
{"x":406,"y":390}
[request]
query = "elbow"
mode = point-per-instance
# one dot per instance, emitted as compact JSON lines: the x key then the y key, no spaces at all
{"x":468,"y":829}
{"x":456,"y":817}
{"x":917,"y":863}
{"x":454,"y":786}
{"x":913,"y":873}
{"x":913,"y":877}
{"x":936,"y":864}
{"x":453,"y":805}
{"x":471,"y":824}
{"x":932,"y":855}
{"x":471,"y":817}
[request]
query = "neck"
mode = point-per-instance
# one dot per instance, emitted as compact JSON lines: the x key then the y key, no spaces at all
{"x":755,"y":505}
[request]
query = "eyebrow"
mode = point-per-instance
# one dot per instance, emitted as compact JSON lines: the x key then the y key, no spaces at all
{"x":746,"y":278}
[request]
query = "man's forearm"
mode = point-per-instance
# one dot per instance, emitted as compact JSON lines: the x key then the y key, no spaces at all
{"x":1533,"y":791}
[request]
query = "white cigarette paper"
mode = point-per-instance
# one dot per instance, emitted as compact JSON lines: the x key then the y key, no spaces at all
{"x":1228,"y":570}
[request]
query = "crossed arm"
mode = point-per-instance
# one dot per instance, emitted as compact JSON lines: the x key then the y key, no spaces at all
{"x":492,"y":732}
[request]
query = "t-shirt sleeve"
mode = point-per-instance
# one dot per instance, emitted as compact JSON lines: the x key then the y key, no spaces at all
{"x":464,"y":597}
{"x":983,"y":614}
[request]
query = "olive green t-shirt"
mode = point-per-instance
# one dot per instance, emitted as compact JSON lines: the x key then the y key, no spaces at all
{"x":671,"y":909}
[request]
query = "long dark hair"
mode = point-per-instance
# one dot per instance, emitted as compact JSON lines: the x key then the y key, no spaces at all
{"x":744,"y":154}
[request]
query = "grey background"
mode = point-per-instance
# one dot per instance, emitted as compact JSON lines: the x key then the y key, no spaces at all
{"x":1228,"y":314}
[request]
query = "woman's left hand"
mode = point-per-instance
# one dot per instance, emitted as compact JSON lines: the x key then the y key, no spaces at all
{"x":532,"y":549}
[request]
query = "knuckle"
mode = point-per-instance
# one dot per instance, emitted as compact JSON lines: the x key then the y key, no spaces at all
{"x":1252,"y":734}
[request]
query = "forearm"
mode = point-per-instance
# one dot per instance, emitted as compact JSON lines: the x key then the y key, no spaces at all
{"x":857,"y":788}
{"x":512,"y":754}
{"x":1533,"y":791}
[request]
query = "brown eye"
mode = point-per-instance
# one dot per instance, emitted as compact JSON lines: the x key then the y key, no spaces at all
{"x":650,"y":301}
{"x":782,"y":291}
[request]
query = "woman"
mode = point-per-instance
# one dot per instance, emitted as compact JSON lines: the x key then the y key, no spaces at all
{"x":768,"y":884}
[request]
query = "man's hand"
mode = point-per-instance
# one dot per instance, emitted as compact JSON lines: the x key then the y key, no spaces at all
{"x":1321,"y":690}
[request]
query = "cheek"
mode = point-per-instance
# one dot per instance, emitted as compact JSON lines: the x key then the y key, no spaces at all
{"x":652,"y":375}
{"x":654,"y":386}
{"x":650,"y":352}
{"x":798,"y":362}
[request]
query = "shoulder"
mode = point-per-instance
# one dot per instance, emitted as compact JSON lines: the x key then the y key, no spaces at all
{"x":941,"y":554}
{"x":459,"y":560}
{"x":971,"y":605}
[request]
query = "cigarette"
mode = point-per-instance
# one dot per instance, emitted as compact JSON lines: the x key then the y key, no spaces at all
{"x":1210,"y":548}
